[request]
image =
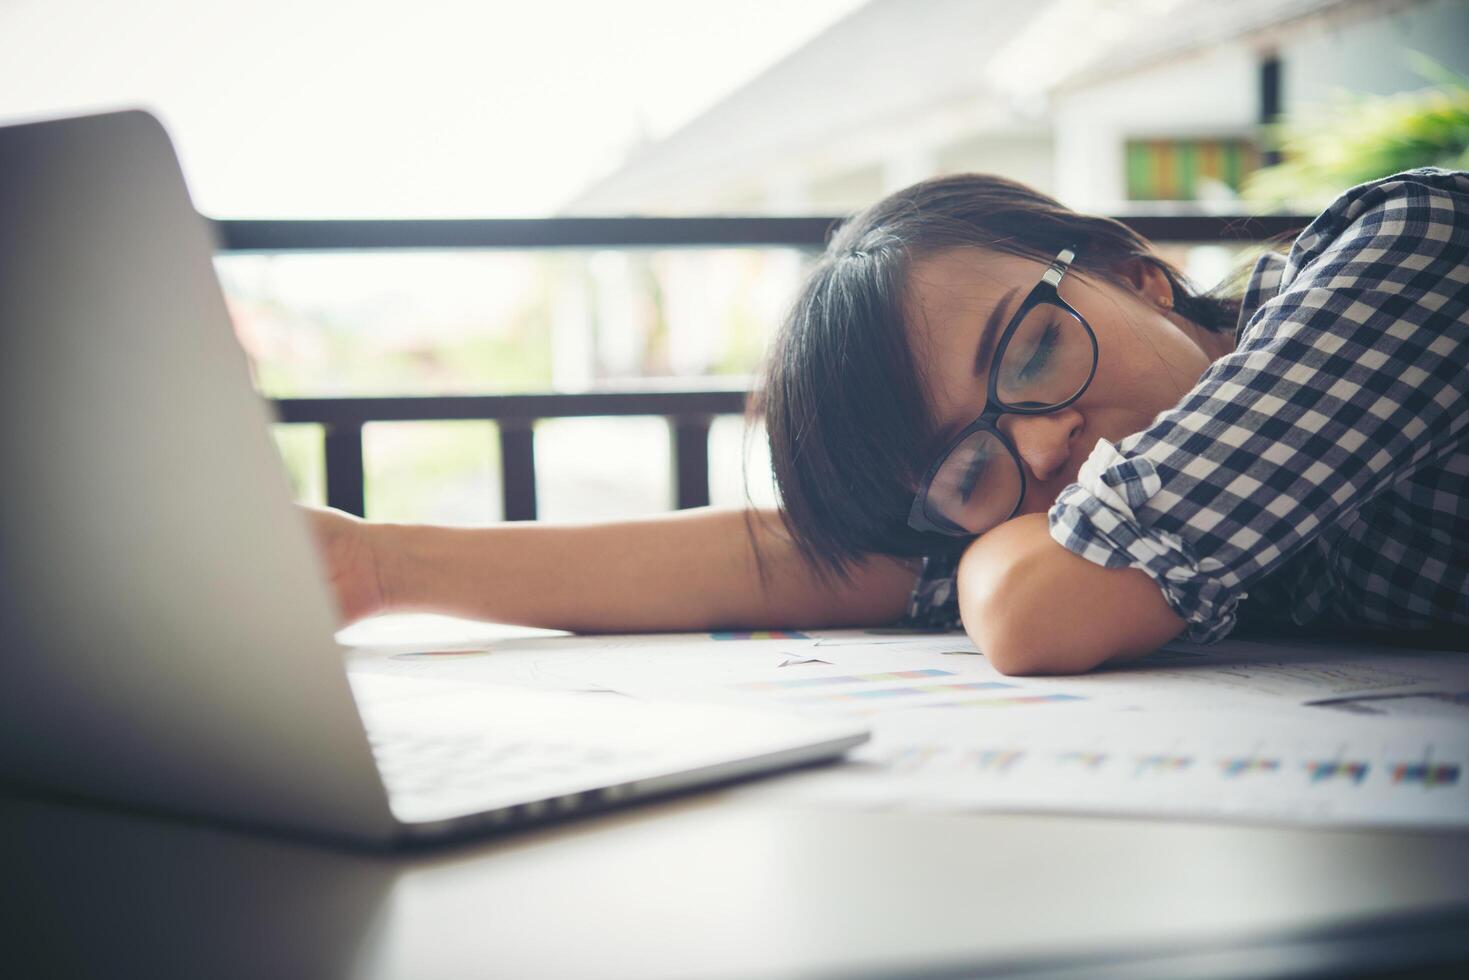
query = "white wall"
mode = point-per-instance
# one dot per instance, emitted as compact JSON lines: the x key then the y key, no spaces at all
{"x":1026,"y":157}
{"x":1211,"y":94}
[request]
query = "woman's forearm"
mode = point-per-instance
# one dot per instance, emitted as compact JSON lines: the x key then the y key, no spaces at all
{"x":1033,"y":607}
{"x":689,"y":570}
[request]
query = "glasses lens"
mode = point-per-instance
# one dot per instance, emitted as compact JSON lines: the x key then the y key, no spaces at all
{"x":977,"y":486}
{"x":1047,"y":361}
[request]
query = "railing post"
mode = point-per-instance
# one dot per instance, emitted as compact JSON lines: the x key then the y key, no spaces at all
{"x":518,"y":470}
{"x":690,"y":460}
{"x":344,"y":484}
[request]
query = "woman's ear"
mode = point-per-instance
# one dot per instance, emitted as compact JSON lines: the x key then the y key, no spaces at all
{"x":1149,"y":280}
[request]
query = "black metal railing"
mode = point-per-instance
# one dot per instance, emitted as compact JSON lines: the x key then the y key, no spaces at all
{"x":716,"y":232}
{"x":689,"y":411}
{"x":689,"y":414}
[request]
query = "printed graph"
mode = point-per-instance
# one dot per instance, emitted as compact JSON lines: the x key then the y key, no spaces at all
{"x":1425,"y":774}
{"x":1114,"y":762}
{"x":1326,"y":770}
{"x":1245,"y":765}
{"x":1153,"y":765}
{"x":758,"y":635}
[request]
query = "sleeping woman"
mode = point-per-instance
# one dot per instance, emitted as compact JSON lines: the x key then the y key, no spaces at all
{"x":987,"y":410}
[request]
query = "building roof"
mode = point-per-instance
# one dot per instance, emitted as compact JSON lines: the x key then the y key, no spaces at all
{"x":989,"y":62}
{"x":1139,"y":37}
{"x":885,"y":59}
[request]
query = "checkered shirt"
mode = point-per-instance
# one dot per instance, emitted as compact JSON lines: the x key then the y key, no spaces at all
{"x":1318,"y":476}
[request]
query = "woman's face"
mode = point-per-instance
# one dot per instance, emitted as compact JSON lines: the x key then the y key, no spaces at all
{"x":1147,"y":356}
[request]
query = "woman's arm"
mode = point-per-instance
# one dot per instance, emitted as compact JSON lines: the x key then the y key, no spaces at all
{"x":1345,"y":381}
{"x":689,"y":570}
{"x":1033,"y":607}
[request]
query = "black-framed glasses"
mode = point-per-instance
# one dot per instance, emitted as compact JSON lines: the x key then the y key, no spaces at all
{"x":1045,"y":358}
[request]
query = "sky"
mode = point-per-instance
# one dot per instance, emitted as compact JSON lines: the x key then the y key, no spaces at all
{"x":364,"y":108}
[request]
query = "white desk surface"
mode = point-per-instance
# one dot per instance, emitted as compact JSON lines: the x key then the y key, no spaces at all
{"x":734,"y":882}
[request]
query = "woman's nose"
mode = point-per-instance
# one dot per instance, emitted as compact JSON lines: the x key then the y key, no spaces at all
{"x":1044,"y":442}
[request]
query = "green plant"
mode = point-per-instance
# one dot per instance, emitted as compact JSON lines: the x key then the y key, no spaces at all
{"x":1359,"y":138}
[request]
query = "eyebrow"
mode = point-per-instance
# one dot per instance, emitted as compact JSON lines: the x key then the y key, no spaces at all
{"x":988,"y":337}
{"x":991,"y":333}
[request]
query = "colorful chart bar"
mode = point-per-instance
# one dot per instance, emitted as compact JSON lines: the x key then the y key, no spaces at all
{"x":1247,"y":764}
{"x":1163,"y":763}
{"x":759,"y":635}
{"x":1330,"y":769}
{"x":1428,"y":774}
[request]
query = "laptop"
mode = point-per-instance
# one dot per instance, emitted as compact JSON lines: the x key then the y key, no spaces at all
{"x":167,"y":633}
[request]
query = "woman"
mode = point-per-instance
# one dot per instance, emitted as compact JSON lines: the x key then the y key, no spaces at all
{"x":1075,"y":454}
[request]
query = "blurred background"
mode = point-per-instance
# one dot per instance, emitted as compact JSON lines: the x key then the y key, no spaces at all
{"x":454,"y":109}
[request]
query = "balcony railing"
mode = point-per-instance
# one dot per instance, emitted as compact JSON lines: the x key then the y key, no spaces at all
{"x":689,"y":412}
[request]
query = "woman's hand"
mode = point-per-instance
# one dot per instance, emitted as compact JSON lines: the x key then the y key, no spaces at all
{"x":693,"y":569}
{"x":350,"y":562}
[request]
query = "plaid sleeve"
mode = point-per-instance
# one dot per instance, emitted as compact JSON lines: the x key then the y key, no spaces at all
{"x":1351,"y":378}
{"x":934,"y":602}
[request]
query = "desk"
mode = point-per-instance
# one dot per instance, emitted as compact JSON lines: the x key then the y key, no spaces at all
{"x":731,"y":882}
{"x":710,"y":885}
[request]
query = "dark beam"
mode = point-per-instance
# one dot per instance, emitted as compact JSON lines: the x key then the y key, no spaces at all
{"x":695,"y":232}
{"x":690,"y":461}
{"x":1270,"y":105}
{"x":510,"y":408}
{"x":521,"y":233}
{"x":518,"y":471}
{"x":344,"y":479}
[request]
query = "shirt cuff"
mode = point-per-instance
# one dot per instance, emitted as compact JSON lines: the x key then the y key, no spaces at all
{"x":934,"y":603}
{"x":1096,"y":518}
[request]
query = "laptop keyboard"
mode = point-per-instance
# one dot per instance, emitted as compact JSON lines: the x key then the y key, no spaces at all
{"x":448,"y":751}
{"x":465,"y":762}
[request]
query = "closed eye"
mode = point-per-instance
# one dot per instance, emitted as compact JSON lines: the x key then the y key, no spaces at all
{"x":971,"y":475}
{"x":1044,"y":348}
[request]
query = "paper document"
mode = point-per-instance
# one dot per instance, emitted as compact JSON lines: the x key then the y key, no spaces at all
{"x":861,"y":673}
{"x":1322,"y":732}
{"x":1248,"y":766}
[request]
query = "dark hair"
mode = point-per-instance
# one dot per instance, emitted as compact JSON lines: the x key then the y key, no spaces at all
{"x":844,"y":408}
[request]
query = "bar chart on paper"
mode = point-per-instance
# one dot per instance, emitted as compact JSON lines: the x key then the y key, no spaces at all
{"x":927,"y":687}
{"x":1237,"y":766}
{"x":1247,"y":765}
